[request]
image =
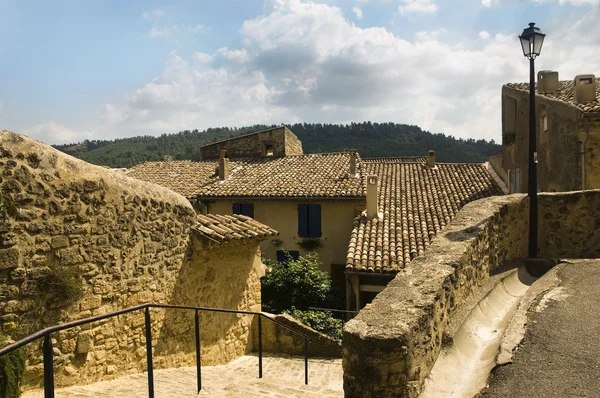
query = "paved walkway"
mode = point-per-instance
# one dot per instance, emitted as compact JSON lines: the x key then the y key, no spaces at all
{"x":560,"y":354}
{"x":283,"y":376}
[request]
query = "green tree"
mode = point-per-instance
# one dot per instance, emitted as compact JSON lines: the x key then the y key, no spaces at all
{"x":12,"y":367}
{"x":295,"y":284}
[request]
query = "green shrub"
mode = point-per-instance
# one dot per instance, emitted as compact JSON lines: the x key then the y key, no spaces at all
{"x":295,"y":284}
{"x":63,"y":284}
{"x":321,"y":321}
{"x":12,"y":367}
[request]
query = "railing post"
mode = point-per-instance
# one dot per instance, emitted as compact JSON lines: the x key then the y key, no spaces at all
{"x":149,"y":354}
{"x":48,"y":367}
{"x":198,"y":359}
{"x":260,"y":346}
{"x":305,"y":360}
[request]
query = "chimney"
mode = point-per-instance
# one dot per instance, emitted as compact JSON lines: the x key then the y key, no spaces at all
{"x":167,"y":158}
{"x":372,"y":196}
{"x":585,"y":88}
{"x":353,"y":161}
{"x":223,"y":165}
{"x":431,"y":159}
{"x":547,"y":82}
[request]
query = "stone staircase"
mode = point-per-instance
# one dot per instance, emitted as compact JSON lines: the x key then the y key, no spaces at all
{"x":283,"y":376}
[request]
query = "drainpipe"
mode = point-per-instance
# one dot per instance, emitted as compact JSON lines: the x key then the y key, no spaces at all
{"x":583,"y":145}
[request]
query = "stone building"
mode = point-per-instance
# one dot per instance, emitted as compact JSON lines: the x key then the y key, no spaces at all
{"x":568,"y":134}
{"x":311,"y":200}
{"x":78,"y":240}
{"x":275,"y":142}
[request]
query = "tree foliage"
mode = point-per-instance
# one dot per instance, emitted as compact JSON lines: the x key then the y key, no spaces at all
{"x":12,"y":367}
{"x":322,"y":321}
{"x":295,"y":284}
{"x":370,"y":139}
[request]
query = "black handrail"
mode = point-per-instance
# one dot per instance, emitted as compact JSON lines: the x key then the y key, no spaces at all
{"x":48,"y":355}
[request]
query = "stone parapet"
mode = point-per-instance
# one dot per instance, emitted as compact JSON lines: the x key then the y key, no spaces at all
{"x":393,"y":343}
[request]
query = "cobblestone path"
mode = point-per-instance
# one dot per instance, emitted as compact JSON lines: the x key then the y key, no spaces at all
{"x":283,"y":376}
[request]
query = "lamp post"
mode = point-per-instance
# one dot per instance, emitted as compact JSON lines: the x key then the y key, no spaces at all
{"x":531,"y":41}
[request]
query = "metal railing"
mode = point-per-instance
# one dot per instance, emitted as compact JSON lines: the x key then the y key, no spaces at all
{"x":48,"y":355}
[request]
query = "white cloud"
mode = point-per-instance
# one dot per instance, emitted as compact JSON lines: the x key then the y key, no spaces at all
{"x":358,"y":12}
{"x":154,"y":32}
{"x":53,"y":132}
{"x":153,"y":14}
{"x":176,"y":30}
{"x":484,"y":34}
{"x":418,"y":6}
{"x":302,"y":61}
{"x":490,"y":3}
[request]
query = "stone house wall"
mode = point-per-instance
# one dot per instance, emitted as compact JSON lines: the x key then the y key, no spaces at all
{"x":559,"y":146}
{"x":337,"y":217}
{"x":281,"y":140}
{"x":393,"y":343}
{"x":217,"y":276}
{"x":124,"y":242}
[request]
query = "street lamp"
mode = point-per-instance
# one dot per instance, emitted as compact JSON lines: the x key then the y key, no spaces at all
{"x":531,"y":41}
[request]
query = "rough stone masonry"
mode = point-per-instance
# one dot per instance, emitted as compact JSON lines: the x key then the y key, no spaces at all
{"x":78,"y":240}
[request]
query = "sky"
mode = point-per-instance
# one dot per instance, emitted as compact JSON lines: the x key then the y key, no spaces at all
{"x":77,"y":70}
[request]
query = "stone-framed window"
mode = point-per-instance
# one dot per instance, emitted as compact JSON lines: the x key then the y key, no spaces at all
{"x":282,"y":255}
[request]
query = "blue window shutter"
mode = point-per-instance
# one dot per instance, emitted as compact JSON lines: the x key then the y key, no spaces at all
{"x":294,"y":254}
{"x":303,"y":221}
{"x":280,"y":256}
{"x":237,"y":208}
{"x":314,"y":221}
{"x":248,"y":209}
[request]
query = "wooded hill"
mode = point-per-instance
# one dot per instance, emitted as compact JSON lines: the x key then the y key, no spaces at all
{"x":370,"y":139}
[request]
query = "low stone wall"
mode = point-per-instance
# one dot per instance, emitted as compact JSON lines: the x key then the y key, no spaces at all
{"x":278,"y":339}
{"x":392,"y":344}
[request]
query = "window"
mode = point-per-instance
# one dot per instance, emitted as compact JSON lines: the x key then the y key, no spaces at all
{"x":309,"y":221}
{"x":516,"y":180}
{"x":282,"y":255}
{"x":246,"y":209}
{"x":269,"y":149}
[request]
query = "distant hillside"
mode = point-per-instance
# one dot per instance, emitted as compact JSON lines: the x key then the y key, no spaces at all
{"x":370,"y":139}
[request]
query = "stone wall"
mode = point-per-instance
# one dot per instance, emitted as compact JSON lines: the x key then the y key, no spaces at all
{"x":559,"y":150}
{"x":392,"y":344}
{"x":217,"y":276}
{"x":278,"y":339}
{"x":569,"y":224}
{"x":71,"y":226}
{"x":68,"y":226}
{"x":281,"y":140}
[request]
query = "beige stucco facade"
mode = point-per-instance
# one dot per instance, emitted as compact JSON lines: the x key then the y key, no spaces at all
{"x":337,"y":217}
{"x":561,"y":130}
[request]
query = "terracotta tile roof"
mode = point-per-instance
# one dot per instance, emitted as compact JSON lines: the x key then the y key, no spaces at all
{"x":183,"y":176}
{"x":416,"y":202}
{"x":303,"y":176}
{"x":403,"y":159}
{"x":220,"y":228}
{"x":566,"y":93}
